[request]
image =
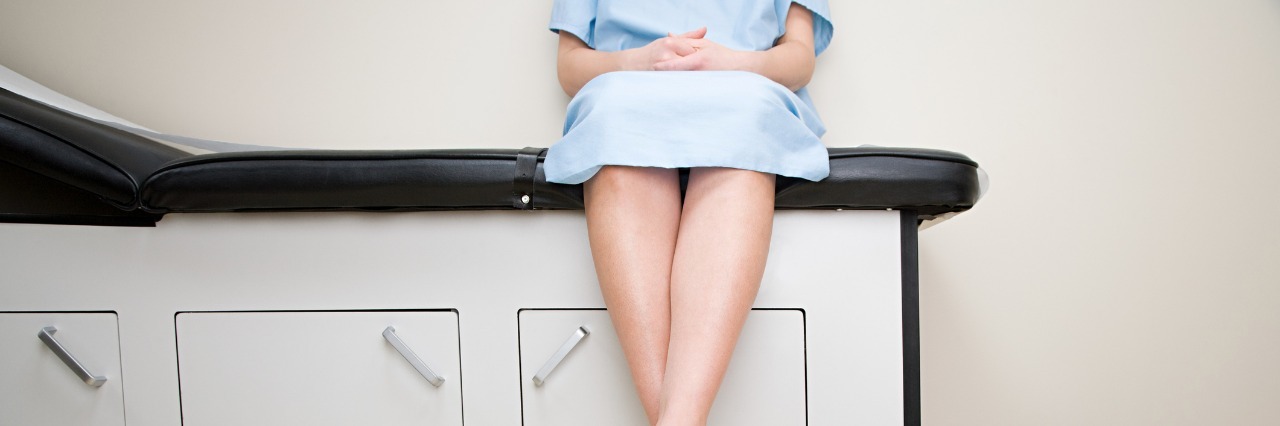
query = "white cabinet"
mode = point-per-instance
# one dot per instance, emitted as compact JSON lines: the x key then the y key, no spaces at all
{"x":765,"y":383}
{"x":38,"y":388}
{"x":317,"y":368}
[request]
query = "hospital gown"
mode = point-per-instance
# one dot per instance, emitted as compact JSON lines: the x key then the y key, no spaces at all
{"x":676,"y":119}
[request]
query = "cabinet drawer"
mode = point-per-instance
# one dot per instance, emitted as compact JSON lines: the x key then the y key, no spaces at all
{"x":765,"y":383}
{"x":318,"y":368}
{"x":38,"y":388}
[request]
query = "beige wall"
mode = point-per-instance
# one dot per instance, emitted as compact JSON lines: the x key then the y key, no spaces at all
{"x":1121,"y":271}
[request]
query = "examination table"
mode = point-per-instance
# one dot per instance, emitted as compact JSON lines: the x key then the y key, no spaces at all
{"x":142,"y":283}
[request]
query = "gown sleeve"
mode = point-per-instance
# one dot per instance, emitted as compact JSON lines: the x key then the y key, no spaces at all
{"x":821,"y":21}
{"x":578,"y":17}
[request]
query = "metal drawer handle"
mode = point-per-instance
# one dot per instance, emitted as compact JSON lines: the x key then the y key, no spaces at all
{"x":551,"y":364}
{"x":431,"y":376}
{"x":46,"y":335}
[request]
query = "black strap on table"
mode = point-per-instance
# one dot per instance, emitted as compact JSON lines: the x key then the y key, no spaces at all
{"x":526,"y":174}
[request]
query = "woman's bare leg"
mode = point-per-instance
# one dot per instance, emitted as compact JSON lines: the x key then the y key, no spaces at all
{"x":720,"y":254}
{"x":633,"y":214}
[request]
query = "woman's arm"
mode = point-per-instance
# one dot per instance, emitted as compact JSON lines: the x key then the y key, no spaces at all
{"x":576,"y":63}
{"x":790,"y":62}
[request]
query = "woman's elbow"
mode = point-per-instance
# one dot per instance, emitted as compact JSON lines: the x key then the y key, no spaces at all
{"x":802,"y":74}
{"x":570,"y":85}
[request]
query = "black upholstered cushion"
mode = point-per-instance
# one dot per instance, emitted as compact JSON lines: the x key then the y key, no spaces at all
{"x":929,"y":181}
{"x":342,"y":180}
{"x":66,"y":147}
{"x":135,"y":174}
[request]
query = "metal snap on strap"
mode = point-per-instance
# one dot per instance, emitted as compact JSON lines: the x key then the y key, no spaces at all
{"x":526,"y":177}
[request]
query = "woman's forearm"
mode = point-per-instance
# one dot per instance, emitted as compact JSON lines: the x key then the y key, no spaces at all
{"x":791,"y":61}
{"x":788,"y":64}
{"x":577,"y":64}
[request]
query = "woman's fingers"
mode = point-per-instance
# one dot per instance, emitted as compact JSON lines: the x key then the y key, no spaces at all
{"x":698,"y":43}
{"x":680,"y":46}
{"x":707,"y":55}
{"x":683,"y":63}
{"x":696,"y":34}
{"x":668,"y":51}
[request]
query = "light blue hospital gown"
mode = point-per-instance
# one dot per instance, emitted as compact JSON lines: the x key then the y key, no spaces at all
{"x":677,"y":119}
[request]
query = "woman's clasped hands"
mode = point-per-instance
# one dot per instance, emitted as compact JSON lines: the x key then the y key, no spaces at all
{"x":690,"y":52}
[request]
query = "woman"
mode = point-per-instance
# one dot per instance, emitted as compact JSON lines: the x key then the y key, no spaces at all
{"x":680,"y":275}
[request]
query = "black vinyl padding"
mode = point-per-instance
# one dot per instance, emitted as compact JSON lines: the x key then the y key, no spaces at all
{"x":134,"y":173}
{"x":29,"y":197}
{"x":101,"y":159}
{"x":483,"y":179}
{"x":337,"y":180}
